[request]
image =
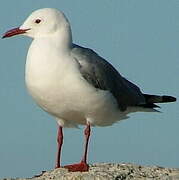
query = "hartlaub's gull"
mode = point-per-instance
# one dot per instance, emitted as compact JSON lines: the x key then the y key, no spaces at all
{"x":74,"y":84}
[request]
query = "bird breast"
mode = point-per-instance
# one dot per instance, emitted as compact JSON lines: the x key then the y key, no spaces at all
{"x":51,"y":77}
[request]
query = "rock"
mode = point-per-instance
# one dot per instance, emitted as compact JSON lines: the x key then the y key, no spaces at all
{"x":110,"y":171}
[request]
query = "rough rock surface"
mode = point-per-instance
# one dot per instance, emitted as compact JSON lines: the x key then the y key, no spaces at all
{"x":110,"y":171}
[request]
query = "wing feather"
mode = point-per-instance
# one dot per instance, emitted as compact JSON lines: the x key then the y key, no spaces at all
{"x":102,"y":75}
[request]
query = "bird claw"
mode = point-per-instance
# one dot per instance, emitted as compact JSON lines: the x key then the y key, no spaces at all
{"x":82,"y":167}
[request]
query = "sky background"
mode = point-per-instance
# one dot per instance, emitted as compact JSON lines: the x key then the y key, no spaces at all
{"x":141,"y":39}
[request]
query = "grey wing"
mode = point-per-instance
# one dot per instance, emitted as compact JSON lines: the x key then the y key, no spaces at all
{"x":102,"y":75}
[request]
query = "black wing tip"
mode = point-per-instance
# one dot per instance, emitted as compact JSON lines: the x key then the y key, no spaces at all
{"x":158,"y":99}
{"x":169,"y":99}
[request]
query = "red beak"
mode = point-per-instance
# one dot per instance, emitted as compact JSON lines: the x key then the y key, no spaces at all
{"x":14,"y":32}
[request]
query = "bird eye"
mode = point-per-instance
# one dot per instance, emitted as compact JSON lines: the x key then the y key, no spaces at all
{"x":37,"y":21}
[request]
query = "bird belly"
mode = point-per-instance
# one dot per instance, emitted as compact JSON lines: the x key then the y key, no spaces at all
{"x":75,"y":102}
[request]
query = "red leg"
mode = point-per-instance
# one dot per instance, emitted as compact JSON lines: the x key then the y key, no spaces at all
{"x":87,"y":132}
{"x":82,"y":166}
{"x":60,"y":142}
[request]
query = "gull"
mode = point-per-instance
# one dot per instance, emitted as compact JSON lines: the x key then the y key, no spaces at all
{"x":74,"y":84}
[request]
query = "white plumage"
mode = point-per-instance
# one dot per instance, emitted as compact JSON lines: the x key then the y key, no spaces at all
{"x":55,"y":83}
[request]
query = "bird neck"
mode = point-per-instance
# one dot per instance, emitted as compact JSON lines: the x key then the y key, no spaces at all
{"x":63,"y":39}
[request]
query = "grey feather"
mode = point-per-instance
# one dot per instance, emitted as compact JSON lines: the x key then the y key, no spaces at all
{"x":102,"y":75}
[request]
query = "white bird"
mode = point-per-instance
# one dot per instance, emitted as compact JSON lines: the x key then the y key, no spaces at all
{"x":74,"y":84}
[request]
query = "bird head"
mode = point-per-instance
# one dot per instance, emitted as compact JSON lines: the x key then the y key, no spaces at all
{"x":40,"y":23}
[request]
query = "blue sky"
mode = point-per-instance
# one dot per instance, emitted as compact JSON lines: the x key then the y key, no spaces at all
{"x":140,"y":38}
